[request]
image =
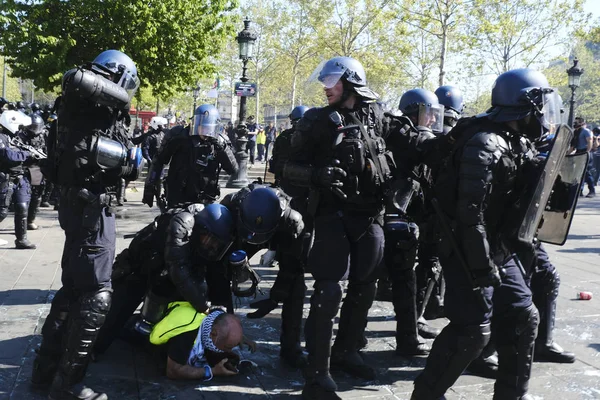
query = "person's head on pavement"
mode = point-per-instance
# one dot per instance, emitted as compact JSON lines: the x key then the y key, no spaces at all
{"x":226,"y":332}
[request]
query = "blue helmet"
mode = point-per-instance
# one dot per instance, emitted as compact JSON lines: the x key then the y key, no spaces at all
{"x":519,"y":93}
{"x":206,"y":121}
{"x":452,"y":99}
{"x":297,"y":113}
{"x":425,"y":107}
{"x":213,"y":231}
{"x":259,"y":215}
{"x":348,"y":70}
{"x":121,"y":68}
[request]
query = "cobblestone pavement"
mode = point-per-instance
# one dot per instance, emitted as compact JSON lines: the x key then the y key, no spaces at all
{"x":29,"y":279}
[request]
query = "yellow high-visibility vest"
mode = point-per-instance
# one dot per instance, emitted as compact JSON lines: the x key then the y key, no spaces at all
{"x":181,"y":317}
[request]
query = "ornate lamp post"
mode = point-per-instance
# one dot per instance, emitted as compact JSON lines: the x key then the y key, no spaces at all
{"x":245,"y":39}
{"x":574,"y":73}
{"x":195,"y":95}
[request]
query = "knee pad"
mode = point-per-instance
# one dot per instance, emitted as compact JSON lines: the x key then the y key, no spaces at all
{"x":545,"y":283}
{"x":3,"y":213}
{"x":21,"y":209}
{"x":328,"y":295}
{"x":517,"y":326}
{"x":95,"y":306}
{"x":473,"y":338}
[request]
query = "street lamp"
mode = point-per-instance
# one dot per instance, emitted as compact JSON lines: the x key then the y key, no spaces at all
{"x":574,"y":73}
{"x":245,"y":39}
{"x":195,"y":94}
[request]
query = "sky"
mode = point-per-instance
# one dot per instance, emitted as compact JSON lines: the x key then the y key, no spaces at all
{"x":593,"y":6}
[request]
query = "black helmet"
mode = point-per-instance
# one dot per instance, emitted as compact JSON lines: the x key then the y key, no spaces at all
{"x":259,"y":215}
{"x":519,"y":93}
{"x":11,"y":106}
{"x":37,"y":124}
{"x":425,"y":107}
{"x":3,"y":101}
{"x":35,"y":107}
{"x":20,"y":106}
{"x":452,"y":99}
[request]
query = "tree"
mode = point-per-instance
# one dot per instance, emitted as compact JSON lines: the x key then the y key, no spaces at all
{"x":442,"y":20}
{"x":511,"y":33}
{"x":170,"y":40}
{"x":12,"y":84}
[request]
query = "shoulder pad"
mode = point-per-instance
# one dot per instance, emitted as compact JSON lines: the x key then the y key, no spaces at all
{"x":309,"y":118}
{"x":488,"y":141}
{"x":181,"y":225}
{"x":223,"y":140}
{"x":195,"y":208}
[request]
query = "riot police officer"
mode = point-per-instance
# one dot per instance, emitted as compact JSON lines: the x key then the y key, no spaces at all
{"x":33,"y":136}
{"x":196,"y":155}
{"x":483,"y":252}
{"x":14,"y":176}
{"x":153,"y":138}
{"x":423,"y":114}
{"x":87,"y":155}
{"x":330,"y":150}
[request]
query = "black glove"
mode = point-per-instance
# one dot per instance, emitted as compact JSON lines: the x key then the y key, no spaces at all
{"x":264,"y":307}
{"x":150,"y":190}
{"x":488,"y":277}
{"x":329,"y":177}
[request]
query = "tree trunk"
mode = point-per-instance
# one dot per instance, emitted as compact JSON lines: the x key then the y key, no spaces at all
{"x":294,"y":79}
{"x":443,"y":52}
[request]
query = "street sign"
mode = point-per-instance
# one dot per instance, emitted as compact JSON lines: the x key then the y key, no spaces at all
{"x":245,"y":89}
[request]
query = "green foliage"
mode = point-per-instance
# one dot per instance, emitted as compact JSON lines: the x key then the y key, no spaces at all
{"x":170,"y":40}
{"x":12,"y":84}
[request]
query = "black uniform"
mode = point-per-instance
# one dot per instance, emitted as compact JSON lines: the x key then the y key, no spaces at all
{"x":348,"y":235}
{"x":79,"y":166}
{"x":194,"y":166}
{"x":14,"y":187}
{"x":485,"y":157}
{"x":39,"y":185}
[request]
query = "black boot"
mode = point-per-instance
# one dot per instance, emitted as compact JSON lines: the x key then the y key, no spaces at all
{"x":21,"y":227}
{"x":48,"y":356}
{"x":545,"y":347}
{"x":32,"y":211}
{"x":291,"y":325}
{"x":515,"y":339}
{"x":452,"y":351}
{"x":353,"y":317}
{"x":86,"y":318}
{"x":324,"y":305}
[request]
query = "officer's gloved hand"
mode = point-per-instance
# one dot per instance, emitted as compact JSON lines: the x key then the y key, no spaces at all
{"x":263,"y":308}
{"x":328,"y":177}
{"x":488,"y":277}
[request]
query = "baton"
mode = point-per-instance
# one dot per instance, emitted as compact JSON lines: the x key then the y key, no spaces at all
{"x":459,"y":255}
{"x":430,"y":286}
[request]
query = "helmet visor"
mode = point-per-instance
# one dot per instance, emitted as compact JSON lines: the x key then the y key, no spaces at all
{"x":327,"y":77}
{"x":551,"y":115}
{"x":129,"y":82}
{"x":211,"y":247}
{"x":206,"y":125}
{"x":432,"y":117}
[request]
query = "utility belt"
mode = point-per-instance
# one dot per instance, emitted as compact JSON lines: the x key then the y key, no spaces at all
{"x":93,"y":204}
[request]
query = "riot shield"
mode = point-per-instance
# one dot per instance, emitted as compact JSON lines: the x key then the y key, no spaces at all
{"x":557,"y":216}
{"x":538,"y":193}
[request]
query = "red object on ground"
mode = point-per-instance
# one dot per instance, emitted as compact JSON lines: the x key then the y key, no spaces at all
{"x":584,"y":296}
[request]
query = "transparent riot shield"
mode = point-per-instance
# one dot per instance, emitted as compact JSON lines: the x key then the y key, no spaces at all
{"x":558,"y":215}
{"x":538,"y":193}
